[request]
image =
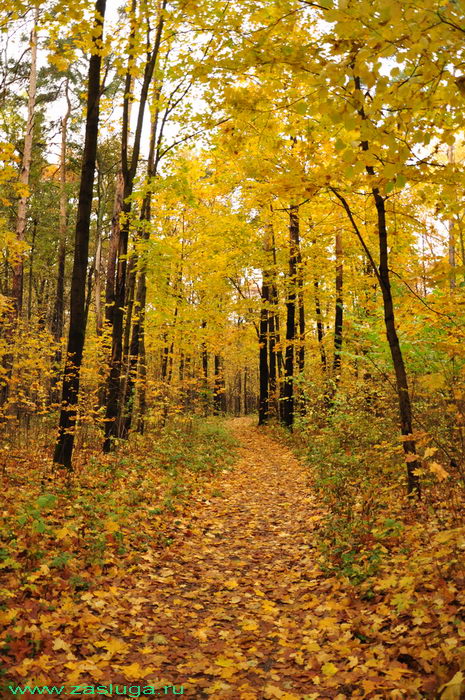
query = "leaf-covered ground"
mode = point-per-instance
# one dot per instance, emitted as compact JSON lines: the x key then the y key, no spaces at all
{"x":237,"y":605}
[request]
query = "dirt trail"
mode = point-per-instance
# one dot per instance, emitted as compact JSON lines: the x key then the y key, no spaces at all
{"x":231,"y":595}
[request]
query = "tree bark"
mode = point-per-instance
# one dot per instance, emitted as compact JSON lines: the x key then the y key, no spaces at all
{"x":204,"y":361}
{"x":113,"y":248}
{"x":339,"y":310}
{"x":320,"y":329}
{"x":18,"y":268}
{"x":275,"y":360}
{"x":405,"y":409}
{"x":219,"y":395}
{"x":382,"y":274}
{"x":263,"y":353}
{"x":451,"y":231}
{"x":135,"y":322}
{"x":58,"y":309}
{"x":66,"y":431}
{"x":288,"y":388}
{"x":114,"y":396}
{"x":31,"y":268}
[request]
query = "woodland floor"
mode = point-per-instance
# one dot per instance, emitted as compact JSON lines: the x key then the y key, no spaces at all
{"x":238,"y":607}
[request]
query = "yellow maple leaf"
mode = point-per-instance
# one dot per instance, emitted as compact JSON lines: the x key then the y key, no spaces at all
{"x":429,"y":452}
{"x":202,"y":634}
{"x":60,"y":644}
{"x":249,"y":626}
{"x":134,"y":671}
{"x":8,"y":616}
{"x":228,"y":673}
{"x":438,"y":471}
{"x":329,"y":669}
{"x":231,"y":583}
{"x":63,"y":533}
{"x":224,"y":661}
{"x":396,"y":674}
{"x":113,"y":646}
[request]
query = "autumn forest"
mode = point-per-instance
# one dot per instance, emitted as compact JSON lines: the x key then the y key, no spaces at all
{"x":232,"y":358}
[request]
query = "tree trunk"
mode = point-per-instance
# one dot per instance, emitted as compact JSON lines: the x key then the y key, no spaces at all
{"x":113,"y":248}
{"x":320,"y":329}
{"x":339,"y":310}
{"x":219,"y":395}
{"x":98,"y":287}
{"x":31,"y":267}
{"x":135,"y":321}
{"x":114,"y":396}
{"x":451,"y":228}
{"x":204,"y":360}
{"x":65,"y":442}
{"x":18,"y":267}
{"x":263,"y":353}
{"x":274,"y":356}
{"x":301,"y":314}
{"x":58,"y":309}
{"x":405,"y":409}
{"x":288,"y":388}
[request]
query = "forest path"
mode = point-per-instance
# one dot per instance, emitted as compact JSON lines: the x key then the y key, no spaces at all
{"x":231,"y":597}
{"x":237,"y":608}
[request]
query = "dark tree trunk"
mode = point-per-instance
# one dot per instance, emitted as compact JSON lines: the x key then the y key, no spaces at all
{"x":113,"y":249}
{"x":301,"y":314}
{"x":137,"y":326}
{"x":65,"y":442}
{"x":58,"y":309}
{"x":272,"y":362}
{"x":114,"y":394}
{"x":405,"y":408}
{"x":164,"y":357}
{"x":263,"y":354}
{"x":275,"y":360}
{"x":204,"y":359}
{"x":219,"y":395}
{"x":137,"y":358}
{"x":143,"y":384}
{"x":382,"y":274}
{"x":238,"y":397}
{"x":98,"y":286}
{"x":339,"y":310}
{"x":288,"y":388}
{"x":320,"y":329}
{"x":129,"y":361}
{"x":301,"y":353}
{"x":31,"y":268}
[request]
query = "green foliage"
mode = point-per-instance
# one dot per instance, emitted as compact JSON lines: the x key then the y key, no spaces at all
{"x":354,"y":480}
